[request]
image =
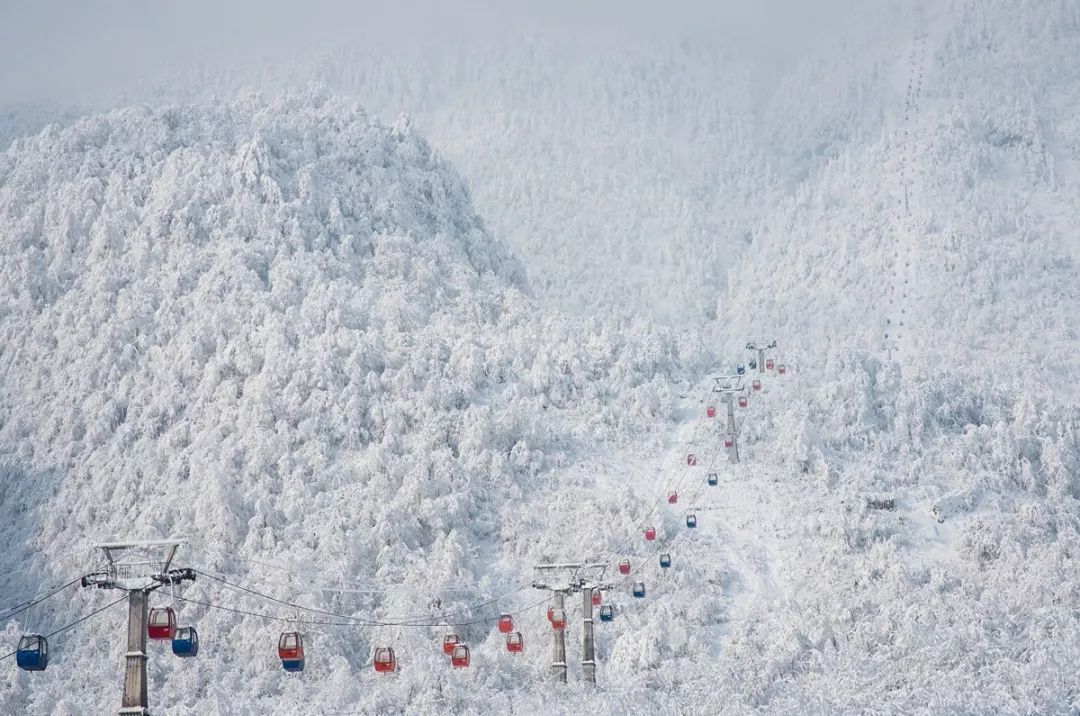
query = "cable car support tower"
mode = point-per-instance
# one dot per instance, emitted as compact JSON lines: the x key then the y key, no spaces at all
{"x":729,"y":386}
{"x":139,"y":568}
{"x":571,"y":582}
{"x":761,"y":345}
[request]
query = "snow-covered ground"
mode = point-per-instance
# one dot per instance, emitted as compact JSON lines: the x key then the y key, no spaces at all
{"x":361,"y":382}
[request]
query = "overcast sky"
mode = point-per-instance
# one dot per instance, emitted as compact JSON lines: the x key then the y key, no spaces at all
{"x":72,"y":49}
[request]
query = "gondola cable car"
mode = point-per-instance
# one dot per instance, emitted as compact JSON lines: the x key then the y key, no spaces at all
{"x":32,"y":653}
{"x":384,"y":660}
{"x":161,"y":624}
{"x":291,"y":651}
{"x":185,"y":642}
{"x":460,"y":658}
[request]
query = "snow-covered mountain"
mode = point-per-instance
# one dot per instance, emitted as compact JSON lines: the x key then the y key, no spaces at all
{"x":278,"y":327}
{"x":283,"y":329}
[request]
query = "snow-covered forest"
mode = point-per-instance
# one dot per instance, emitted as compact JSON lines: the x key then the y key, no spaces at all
{"x":377,"y":333}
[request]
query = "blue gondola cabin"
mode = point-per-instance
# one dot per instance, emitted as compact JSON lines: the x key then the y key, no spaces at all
{"x":32,"y":653}
{"x":665,"y":560}
{"x":186,"y":642}
{"x":607,"y":613}
{"x":639,"y":590}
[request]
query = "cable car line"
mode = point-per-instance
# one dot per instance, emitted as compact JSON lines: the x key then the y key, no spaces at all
{"x":436,"y":624}
{"x":27,"y":605}
{"x":396,"y":621}
{"x":660,"y":501}
{"x":73,"y":624}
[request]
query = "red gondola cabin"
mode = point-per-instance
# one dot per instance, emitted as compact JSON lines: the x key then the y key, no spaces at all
{"x":691,"y":459}
{"x":448,"y":643}
{"x":597,"y":598}
{"x":673,"y":497}
{"x":769,"y":364}
{"x":558,"y":619}
{"x":743,"y":402}
{"x":162,"y":624}
{"x":290,"y":649}
{"x":756,"y":385}
{"x":460,"y":658}
{"x":514,"y":643}
{"x":384,"y":660}
{"x":506,"y":624}
{"x":650,"y":534}
{"x":781,"y":369}
{"x":624,"y":566}
{"x":710,"y":411}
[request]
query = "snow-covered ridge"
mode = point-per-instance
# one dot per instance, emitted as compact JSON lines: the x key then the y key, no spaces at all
{"x":279,"y":328}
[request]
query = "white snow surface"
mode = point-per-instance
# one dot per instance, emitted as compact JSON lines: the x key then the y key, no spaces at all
{"x":279,"y":327}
